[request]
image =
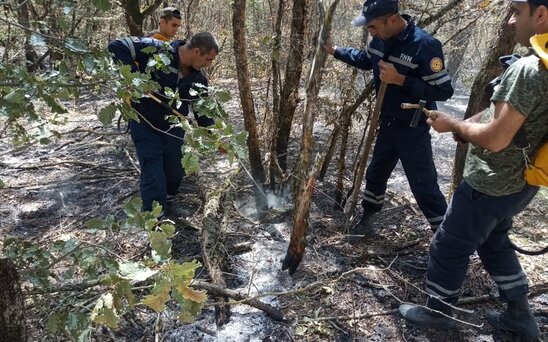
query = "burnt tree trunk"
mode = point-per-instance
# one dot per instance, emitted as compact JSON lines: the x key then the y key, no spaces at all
{"x":12,"y":311}
{"x":214,"y":256}
{"x":290,"y":91}
{"x":135,"y":17}
{"x":305,"y":170}
{"x":347,"y":120}
{"x":479,"y":100}
{"x":31,"y":57}
{"x":275,"y":60}
{"x":250,"y":122}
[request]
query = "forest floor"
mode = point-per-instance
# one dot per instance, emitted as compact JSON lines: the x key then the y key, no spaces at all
{"x":340,"y":292}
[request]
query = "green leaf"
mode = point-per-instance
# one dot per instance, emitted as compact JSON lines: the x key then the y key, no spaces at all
{"x":185,"y":270}
{"x":76,"y":45}
{"x":37,"y":40}
{"x":95,"y":223}
{"x":168,"y":229}
{"x":135,"y":272}
{"x":185,"y":317}
{"x":123,"y":289}
{"x":133,"y":207}
{"x":56,"y":322}
{"x":223,"y":96}
{"x":89,"y":63}
{"x":77,"y":323}
{"x":2,"y":184}
{"x":104,"y":312}
{"x":16,"y":97}
{"x":106,"y":114}
{"x":160,"y":243}
{"x":102,"y":5}
{"x":190,"y":163}
{"x":54,"y":104}
{"x":156,"y":210}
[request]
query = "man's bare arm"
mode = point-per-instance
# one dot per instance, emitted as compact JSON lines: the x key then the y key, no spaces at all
{"x":494,"y":135}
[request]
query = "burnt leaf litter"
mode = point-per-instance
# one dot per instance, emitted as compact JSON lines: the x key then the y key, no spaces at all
{"x":341,"y":291}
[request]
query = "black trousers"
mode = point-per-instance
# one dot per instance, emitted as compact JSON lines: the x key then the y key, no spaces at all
{"x":477,"y":222}
{"x":160,"y":161}
{"x":397,"y":141}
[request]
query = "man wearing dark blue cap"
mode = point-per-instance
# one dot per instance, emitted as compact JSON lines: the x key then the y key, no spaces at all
{"x":411,"y":62}
{"x":494,"y":188}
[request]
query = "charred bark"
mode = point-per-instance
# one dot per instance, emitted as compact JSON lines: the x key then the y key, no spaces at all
{"x":479,"y":99}
{"x":246,"y":97}
{"x":275,"y":60}
{"x":307,"y":173}
{"x":214,"y":258}
{"x":290,"y":91}
{"x":31,"y":56}
{"x":12,"y":311}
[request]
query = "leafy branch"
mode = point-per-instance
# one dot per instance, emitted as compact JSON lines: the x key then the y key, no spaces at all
{"x":80,"y":266}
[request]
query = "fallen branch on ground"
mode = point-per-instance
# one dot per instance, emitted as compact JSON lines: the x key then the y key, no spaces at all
{"x":251,"y":301}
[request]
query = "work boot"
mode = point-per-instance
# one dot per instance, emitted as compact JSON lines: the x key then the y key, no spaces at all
{"x":174,"y":210}
{"x":429,"y":316}
{"x":517,"y":318}
{"x":188,"y":186}
{"x":364,"y":227}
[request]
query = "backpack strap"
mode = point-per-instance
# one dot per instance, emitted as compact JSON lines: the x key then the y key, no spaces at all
{"x":128,"y":42}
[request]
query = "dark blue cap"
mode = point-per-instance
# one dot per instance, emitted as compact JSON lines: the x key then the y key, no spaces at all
{"x":373,"y":9}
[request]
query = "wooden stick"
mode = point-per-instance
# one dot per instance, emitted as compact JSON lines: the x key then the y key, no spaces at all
{"x":224,"y":292}
{"x":365,"y":153}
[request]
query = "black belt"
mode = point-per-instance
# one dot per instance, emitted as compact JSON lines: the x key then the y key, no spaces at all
{"x":392,"y":121}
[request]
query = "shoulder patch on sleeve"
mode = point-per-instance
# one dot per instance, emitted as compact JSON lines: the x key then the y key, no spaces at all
{"x":436,"y":64}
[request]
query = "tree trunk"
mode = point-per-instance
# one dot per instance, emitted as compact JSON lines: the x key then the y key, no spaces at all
{"x":135,"y":17}
{"x":290,"y":91}
{"x":275,"y":58}
{"x":214,"y":256}
{"x":429,"y":20}
{"x":188,"y":17}
{"x":307,"y":173}
{"x":31,"y":57}
{"x":12,"y":311}
{"x":347,"y":120}
{"x":459,"y":46}
{"x":479,"y":99}
{"x":240,"y":55}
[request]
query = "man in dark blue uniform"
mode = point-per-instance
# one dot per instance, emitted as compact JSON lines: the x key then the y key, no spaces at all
{"x":157,"y":143}
{"x":411,"y":62}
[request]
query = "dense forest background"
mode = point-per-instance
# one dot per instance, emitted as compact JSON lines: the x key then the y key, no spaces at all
{"x":81,"y":261}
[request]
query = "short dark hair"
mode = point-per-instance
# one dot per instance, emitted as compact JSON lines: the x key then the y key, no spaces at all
{"x":170,"y":12}
{"x":205,"y":42}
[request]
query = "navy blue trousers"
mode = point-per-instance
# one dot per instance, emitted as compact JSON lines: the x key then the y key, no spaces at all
{"x":398,"y":141}
{"x":477,"y":222}
{"x":160,"y":160}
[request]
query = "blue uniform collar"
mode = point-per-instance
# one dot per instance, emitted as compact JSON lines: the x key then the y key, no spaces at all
{"x":175,"y":46}
{"x":403,"y":35}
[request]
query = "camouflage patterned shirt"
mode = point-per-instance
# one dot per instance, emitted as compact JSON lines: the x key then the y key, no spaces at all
{"x":525,"y":86}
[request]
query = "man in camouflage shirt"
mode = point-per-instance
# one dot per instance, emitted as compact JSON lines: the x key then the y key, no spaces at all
{"x":493,"y":191}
